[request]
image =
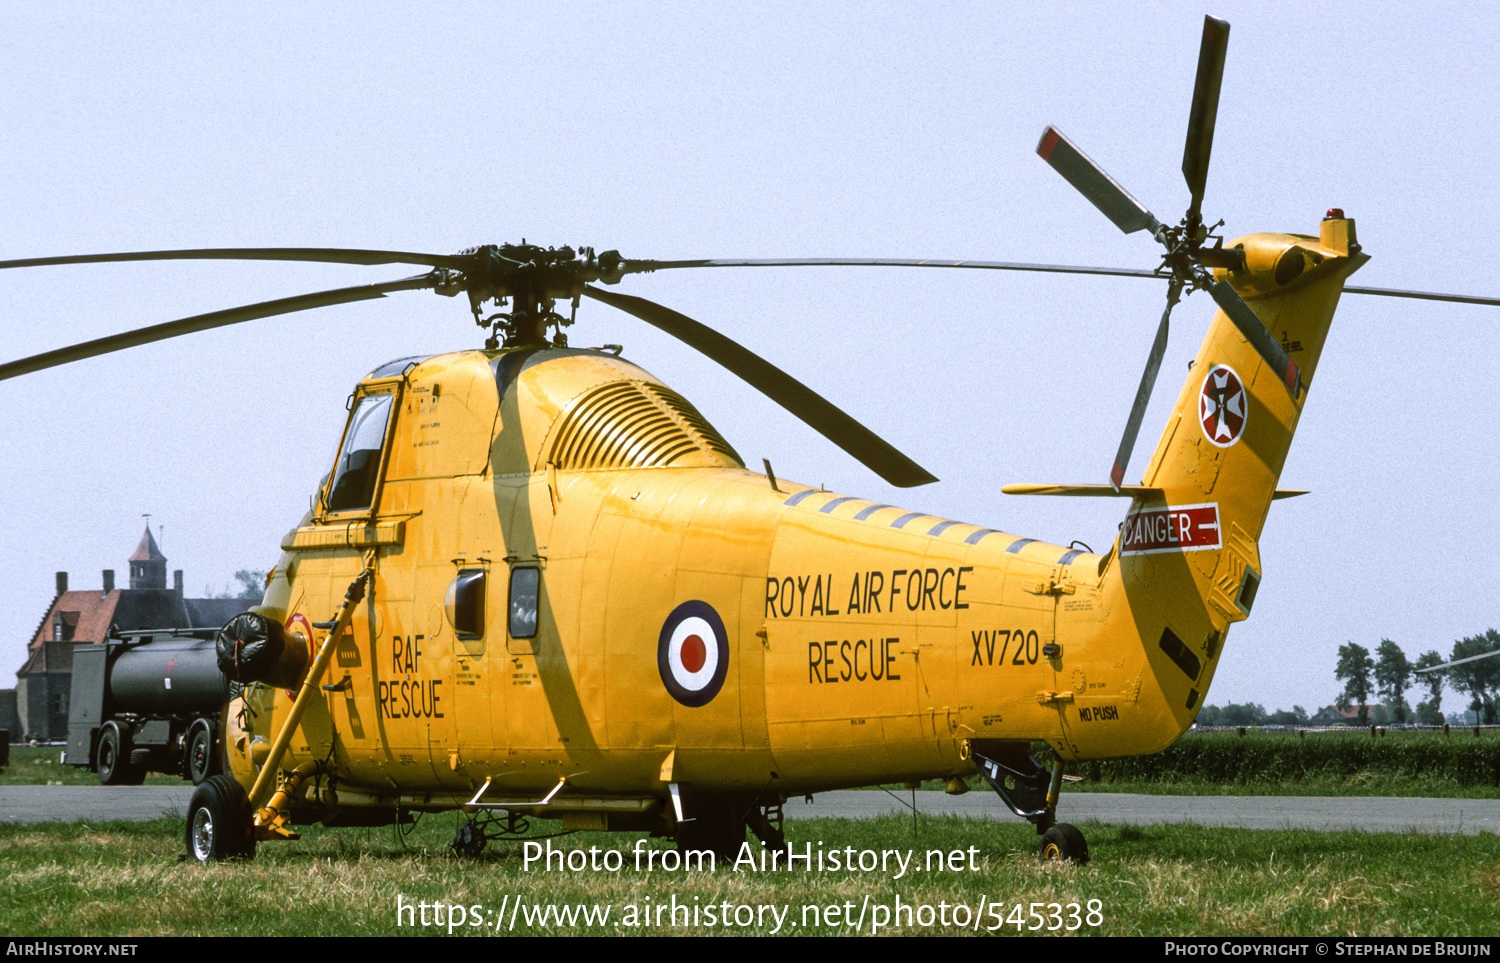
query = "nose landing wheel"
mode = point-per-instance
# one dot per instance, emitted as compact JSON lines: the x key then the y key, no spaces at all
{"x":219,"y":821}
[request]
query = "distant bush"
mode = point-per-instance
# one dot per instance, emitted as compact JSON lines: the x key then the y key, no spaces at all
{"x":1250,"y":714}
{"x":1226,"y":757}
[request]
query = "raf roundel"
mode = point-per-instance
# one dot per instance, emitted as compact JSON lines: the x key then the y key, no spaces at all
{"x":1222,"y":406}
{"x":693,"y":653}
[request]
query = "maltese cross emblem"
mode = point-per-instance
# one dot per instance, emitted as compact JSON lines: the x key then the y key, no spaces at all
{"x":1222,"y":406}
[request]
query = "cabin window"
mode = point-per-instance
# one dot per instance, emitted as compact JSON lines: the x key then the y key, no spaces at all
{"x":465,"y":604}
{"x":358,"y":467}
{"x":525,"y":586}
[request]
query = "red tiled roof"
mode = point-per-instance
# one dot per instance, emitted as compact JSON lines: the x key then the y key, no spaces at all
{"x":95,"y":613}
{"x":92,"y":612}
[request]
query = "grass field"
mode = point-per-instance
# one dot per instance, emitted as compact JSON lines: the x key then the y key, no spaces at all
{"x":127,"y":880}
{"x":39,"y":766}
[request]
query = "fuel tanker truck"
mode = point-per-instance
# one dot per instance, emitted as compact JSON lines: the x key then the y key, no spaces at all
{"x":148,"y":701}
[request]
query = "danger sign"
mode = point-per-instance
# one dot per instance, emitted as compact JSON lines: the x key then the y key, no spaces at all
{"x":1176,"y":528}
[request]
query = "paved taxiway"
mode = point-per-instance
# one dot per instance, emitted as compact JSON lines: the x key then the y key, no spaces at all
{"x":31,"y":804}
{"x":1371,"y":813}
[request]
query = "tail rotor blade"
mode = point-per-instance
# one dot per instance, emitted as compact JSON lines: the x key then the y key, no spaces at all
{"x":869,"y":448}
{"x":1092,"y":182}
{"x":1143,"y":393}
{"x":1200,"y":132}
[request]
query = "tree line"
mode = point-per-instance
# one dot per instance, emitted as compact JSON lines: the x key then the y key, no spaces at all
{"x":1250,"y":714}
{"x":1390,"y":674}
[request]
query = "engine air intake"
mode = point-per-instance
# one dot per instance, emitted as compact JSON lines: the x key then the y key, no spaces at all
{"x":632,"y":424}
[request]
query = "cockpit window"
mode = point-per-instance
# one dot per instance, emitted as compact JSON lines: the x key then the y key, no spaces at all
{"x":358,"y":467}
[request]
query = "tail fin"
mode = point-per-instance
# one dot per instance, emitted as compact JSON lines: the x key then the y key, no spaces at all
{"x":1188,"y":553}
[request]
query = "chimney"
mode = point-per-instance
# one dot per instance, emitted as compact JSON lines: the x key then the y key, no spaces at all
{"x":177,"y":582}
{"x":109,"y":580}
{"x":62,"y":582}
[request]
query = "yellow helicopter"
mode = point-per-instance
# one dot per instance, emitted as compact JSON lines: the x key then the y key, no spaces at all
{"x":536,"y":583}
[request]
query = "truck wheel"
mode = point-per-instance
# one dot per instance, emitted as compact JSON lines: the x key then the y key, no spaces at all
{"x":219,"y":822}
{"x":201,"y":761}
{"x":113,"y":760}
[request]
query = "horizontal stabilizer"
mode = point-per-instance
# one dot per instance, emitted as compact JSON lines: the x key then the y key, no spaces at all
{"x":1106,"y":491}
{"x":1079,"y":491}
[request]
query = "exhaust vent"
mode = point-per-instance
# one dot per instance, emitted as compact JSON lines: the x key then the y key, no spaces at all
{"x":632,"y":424}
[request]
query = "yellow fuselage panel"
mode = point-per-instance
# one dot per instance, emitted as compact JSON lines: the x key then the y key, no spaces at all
{"x":857,"y":648}
{"x":863,"y":641}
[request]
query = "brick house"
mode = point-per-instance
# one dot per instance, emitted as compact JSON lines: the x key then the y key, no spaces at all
{"x":44,"y":682}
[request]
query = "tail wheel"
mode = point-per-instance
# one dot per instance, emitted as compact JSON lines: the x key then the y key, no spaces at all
{"x":219,"y":821}
{"x":202,"y":762}
{"x":112,"y":760}
{"x":1065,"y":843}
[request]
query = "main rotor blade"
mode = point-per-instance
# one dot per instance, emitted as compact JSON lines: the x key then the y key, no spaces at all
{"x":1445,"y":665}
{"x":1092,"y":182}
{"x":1200,"y":132}
{"x":870,"y":449}
{"x":333,"y":255}
{"x":203,"y":322}
{"x":1423,"y":295}
{"x":642,"y":267}
{"x":1143,"y":393}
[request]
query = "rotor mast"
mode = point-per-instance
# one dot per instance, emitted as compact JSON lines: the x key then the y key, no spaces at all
{"x":529,"y":280}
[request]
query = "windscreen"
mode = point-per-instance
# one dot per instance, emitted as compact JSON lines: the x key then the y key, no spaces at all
{"x":359,"y":463}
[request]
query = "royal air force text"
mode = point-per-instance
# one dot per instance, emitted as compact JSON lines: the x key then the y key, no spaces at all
{"x":917,"y":590}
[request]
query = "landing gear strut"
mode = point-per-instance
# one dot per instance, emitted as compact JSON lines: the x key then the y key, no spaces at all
{"x":717,"y":823}
{"x":1032,"y":792}
{"x":765,"y":823}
